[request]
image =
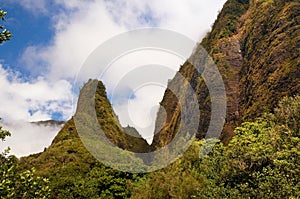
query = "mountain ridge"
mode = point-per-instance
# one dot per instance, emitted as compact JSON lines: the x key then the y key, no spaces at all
{"x":255,"y":45}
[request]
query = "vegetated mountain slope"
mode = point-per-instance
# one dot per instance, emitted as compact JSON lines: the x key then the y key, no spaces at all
{"x":106,"y":118}
{"x":68,"y":157}
{"x":271,"y":49}
{"x":93,"y":101}
{"x":256,"y":46}
{"x":260,"y":161}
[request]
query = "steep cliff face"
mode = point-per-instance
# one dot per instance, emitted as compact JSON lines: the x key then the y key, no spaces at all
{"x":255,"y":45}
{"x":271,"y":49}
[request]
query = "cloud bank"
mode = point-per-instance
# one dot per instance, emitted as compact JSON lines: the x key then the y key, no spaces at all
{"x":28,"y":138}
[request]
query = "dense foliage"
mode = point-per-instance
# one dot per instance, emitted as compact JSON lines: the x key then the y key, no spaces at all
{"x":261,"y":161}
{"x":73,"y":172}
{"x":15,"y":183}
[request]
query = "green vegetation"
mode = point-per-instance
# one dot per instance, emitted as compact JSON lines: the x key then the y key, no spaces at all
{"x":260,"y":161}
{"x":5,"y":35}
{"x":227,"y":23}
{"x":73,"y":172}
{"x":93,"y":97}
{"x":270,"y":46}
{"x":256,"y":47}
{"x":15,"y":183}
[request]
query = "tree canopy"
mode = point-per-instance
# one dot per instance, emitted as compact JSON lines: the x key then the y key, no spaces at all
{"x":15,"y":183}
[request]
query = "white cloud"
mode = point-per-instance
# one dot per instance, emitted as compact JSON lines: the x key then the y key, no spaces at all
{"x":28,"y":138}
{"x":79,"y":32}
{"x":33,"y":100}
{"x":136,"y":83}
{"x":77,"y":35}
{"x":23,"y":101}
{"x":37,"y":7}
{"x":141,"y":111}
{"x":191,"y":17}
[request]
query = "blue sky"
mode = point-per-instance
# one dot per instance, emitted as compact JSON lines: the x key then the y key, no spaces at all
{"x":28,"y":29}
{"x":52,"y":39}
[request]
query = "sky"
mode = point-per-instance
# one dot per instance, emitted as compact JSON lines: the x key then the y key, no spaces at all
{"x":52,"y":39}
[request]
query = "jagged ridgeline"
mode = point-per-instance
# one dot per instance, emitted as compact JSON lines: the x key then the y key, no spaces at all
{"x":256,"y":46}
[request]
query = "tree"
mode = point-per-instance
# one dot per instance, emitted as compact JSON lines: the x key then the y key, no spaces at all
{"x":5,"y":35}
{"x":19,"y":184}
{"x":4,"y":133}
{"x":261,"y":160}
